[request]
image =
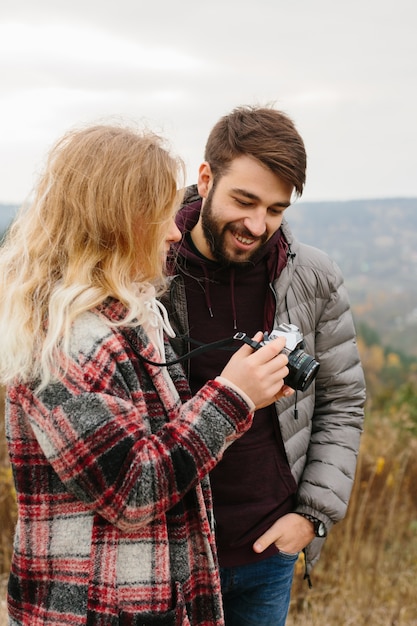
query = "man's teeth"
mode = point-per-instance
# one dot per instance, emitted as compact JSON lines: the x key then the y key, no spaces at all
{"x":244,"y":240}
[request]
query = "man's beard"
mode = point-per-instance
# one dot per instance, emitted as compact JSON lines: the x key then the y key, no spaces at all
{"x":216,"y":239}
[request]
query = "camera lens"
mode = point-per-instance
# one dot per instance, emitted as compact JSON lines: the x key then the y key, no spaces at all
{"x":303,"y":370}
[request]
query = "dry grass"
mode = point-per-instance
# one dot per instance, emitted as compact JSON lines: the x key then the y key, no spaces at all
{"x":368,"y":570}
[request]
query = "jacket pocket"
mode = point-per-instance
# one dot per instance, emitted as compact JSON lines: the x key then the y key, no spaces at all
{"x":175,"y":617}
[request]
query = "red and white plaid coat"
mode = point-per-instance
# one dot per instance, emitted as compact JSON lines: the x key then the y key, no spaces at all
{"x":115,"y":516}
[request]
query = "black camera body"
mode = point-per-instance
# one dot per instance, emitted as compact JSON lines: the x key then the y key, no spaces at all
{"x":303,"y":367}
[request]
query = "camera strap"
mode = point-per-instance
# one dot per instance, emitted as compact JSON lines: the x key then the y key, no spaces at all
{"x":202,"y":347}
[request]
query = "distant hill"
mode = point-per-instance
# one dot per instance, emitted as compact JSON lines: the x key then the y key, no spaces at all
{"x":7,"y":213}
{"x":375,"y":244}
{"x":364,"y":236}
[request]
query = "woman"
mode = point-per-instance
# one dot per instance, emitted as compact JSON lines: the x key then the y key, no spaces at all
{"x":110,"y":453}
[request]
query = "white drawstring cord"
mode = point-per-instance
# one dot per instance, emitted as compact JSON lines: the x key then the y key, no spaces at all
{"x":159,"y":321}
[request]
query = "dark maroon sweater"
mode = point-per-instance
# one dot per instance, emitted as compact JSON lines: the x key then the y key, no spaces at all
{"x":252,"y":485}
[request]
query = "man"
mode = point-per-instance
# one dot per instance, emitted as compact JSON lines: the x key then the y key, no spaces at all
{"x":282,"y":486}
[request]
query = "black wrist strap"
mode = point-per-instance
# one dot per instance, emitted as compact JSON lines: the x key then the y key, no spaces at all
{"x":310,"y":518}
{"x":239,"y":336}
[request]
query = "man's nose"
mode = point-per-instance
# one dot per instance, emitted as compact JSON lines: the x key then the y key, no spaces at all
{"x":256,"y":223}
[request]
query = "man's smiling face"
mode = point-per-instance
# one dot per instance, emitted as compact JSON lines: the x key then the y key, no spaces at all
{"x":241,"y":210}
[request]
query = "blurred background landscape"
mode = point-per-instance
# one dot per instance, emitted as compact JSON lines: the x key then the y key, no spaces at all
{"x":368,"y":569}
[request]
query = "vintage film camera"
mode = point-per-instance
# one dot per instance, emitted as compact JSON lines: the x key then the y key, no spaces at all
{"x":303,"y":367}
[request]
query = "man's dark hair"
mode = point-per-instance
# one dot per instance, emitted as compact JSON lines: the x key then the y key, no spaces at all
{"x":264,"y":134}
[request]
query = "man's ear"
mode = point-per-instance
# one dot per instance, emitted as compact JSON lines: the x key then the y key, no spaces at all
{"x":205,"y":179}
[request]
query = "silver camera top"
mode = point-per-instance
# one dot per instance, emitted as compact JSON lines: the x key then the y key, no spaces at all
{"x":291,"y":332}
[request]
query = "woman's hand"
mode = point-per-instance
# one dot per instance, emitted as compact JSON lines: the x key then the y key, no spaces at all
{"x":260,"y":373}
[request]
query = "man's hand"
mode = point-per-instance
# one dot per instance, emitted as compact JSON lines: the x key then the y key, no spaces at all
{"x":291,"y":533}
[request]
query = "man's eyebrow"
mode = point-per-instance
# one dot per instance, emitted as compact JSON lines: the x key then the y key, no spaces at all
{"x":253,"y":196}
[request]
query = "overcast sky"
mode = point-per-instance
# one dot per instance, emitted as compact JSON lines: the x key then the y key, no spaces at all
{"x":346,"y":72}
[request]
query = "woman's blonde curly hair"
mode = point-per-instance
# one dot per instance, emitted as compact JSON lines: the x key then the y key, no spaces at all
{"x":95,"y":228}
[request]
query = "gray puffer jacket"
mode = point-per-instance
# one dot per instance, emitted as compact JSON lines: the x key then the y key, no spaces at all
{"x":321,"y":427}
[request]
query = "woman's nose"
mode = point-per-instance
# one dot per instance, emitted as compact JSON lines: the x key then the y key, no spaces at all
{"x":174,"y":233}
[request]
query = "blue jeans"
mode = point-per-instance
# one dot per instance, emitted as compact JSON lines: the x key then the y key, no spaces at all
{"x":258,"y":594}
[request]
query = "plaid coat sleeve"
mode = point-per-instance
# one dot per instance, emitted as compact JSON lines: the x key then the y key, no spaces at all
{"x":110,"y":470}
